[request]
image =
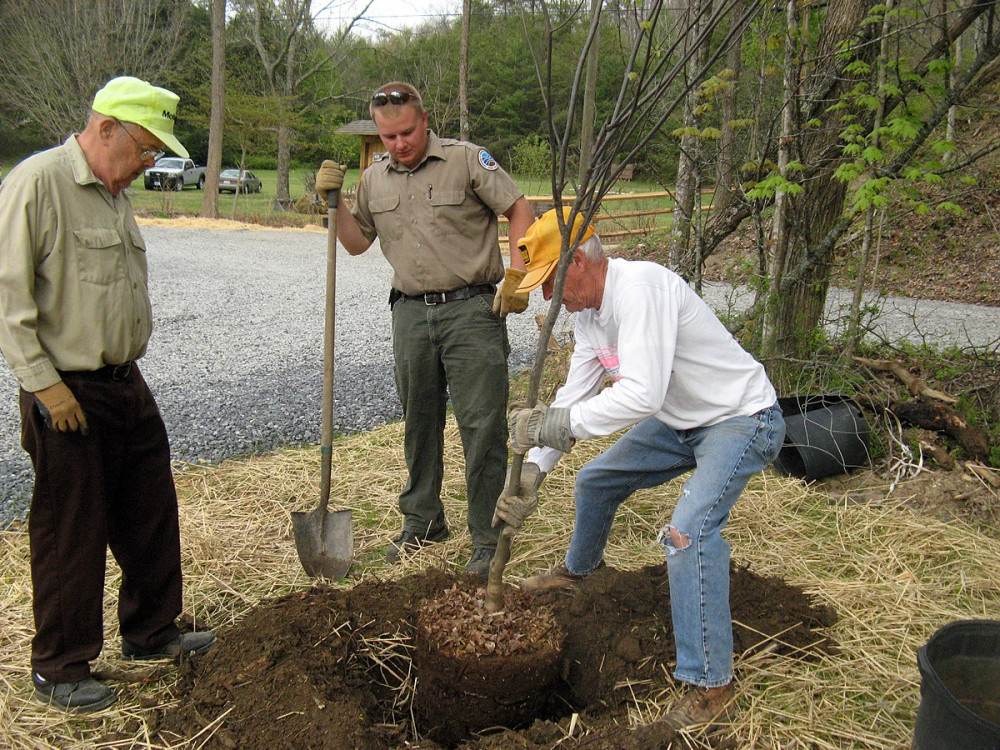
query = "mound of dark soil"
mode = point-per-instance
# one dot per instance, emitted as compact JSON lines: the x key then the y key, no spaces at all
{"x":332,"y":668}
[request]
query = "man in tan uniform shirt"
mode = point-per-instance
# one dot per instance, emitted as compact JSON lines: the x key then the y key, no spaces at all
{"x":74,"y":318}
{"x":433,"y":204}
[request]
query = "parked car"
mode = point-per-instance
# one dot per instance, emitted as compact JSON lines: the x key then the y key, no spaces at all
{"x":232,"y":179}
{"x":174,"y":173}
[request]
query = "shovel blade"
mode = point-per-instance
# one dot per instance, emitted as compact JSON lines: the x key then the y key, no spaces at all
{"x":324,"y":541}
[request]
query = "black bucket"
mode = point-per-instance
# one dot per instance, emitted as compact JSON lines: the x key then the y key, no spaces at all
{"x":824,"y":435}
{"x":960,"y":688}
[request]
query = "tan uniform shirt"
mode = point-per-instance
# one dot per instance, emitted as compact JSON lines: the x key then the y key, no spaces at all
{"x":437,"y":223}
{"x":73,"y":292}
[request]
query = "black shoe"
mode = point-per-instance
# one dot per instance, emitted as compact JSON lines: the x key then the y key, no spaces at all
{"x":190,"y":643}
{"x":85,"y":695}
{"x":480,"y":562}
{"x":411,"y":541}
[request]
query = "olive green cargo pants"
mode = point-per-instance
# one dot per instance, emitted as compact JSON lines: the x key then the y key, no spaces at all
{"x":460,"y":349}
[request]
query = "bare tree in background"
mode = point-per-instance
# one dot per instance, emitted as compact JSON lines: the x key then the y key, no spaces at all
{"x":56,"y":54}
{"x":589,"y":98}
{"x":210,"y":199}
{"x":285,"y":38}
{"x":463,"y":72}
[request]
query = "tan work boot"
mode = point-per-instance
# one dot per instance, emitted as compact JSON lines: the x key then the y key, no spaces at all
{"x":702,"y":706}
{"x":557,"y":578}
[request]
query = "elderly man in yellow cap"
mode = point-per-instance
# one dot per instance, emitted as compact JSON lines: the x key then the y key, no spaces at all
{"x":695,"y":402}
{"x":74,"y":318}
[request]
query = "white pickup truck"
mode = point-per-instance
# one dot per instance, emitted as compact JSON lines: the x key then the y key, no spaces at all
{"x":173,"y":173}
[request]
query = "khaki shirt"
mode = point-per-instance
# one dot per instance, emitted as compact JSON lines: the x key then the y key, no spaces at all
{"x":437,"y":223}
{"x":73,"y":292}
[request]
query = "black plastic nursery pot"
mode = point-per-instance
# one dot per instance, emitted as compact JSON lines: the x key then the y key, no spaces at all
{"x":960,"y":688}
{"x":824,"y":435}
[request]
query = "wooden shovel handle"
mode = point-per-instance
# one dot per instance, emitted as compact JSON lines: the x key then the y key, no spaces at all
{"x":326,"y":429}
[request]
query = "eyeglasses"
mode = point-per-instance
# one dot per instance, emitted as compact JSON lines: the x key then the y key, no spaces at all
{"x":396,"y":97}
{"x":144,"y":153}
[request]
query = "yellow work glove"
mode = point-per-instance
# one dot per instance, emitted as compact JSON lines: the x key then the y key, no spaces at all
{"x":507,"y":299}
{"x":60,"y":409}
{"x":329,"y":177}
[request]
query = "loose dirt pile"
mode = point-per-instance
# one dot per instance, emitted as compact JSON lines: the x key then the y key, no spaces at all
{"x":333,"y":668}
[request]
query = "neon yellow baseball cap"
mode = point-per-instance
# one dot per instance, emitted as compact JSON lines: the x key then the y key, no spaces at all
{"x":132,"y":100}
{"x":540,"y":247}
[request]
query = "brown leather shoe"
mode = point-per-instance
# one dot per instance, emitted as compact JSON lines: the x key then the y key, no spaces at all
{"x":702,"y":706}
{"x":557,"y":578}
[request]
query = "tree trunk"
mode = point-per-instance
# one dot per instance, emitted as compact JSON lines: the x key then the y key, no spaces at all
{"x":726,"y":173}
{"x":796,"y":304}
{"x":284,"y":163}
{"x":463,"y":72}
{"x":589,"y":98}
{"x":210,"y":199}
{"x":777,"y":244}
{"x":680,"y":256}
{"x":868,"y":238}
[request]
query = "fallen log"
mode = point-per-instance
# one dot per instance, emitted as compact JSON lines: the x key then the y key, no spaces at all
{"x":915,"y":383}
{"x":930,"y":415}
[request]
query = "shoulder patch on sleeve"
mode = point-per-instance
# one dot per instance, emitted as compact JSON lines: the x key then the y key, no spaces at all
{"x":486,"y":161}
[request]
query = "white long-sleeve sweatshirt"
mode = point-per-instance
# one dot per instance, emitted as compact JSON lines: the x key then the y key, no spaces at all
{"x":667,"y":354}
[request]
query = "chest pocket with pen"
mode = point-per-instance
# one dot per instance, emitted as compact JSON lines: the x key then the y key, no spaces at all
{"x":449,"y":218}
{"x":100,"y":255}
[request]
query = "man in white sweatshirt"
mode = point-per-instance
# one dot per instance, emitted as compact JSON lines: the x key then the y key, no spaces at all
{"x":695,"y":400}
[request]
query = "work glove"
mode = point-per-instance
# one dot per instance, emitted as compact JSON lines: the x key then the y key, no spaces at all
{"x":513,"y":509}
{"x":507,"y":300}
{"x":60,"y":409}
{"x":540,"y":426}
{"x":329,"y":177}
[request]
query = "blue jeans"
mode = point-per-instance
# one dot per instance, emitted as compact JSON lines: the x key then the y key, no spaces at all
{"x":724,"y":456}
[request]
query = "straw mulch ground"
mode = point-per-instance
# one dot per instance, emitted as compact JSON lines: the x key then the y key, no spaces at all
{"x":891,"y":577}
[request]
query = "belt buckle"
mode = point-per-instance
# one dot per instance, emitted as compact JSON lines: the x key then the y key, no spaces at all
{"x":434,"y":298}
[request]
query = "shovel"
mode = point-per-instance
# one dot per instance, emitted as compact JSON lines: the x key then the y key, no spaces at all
{"x":323,"y":538}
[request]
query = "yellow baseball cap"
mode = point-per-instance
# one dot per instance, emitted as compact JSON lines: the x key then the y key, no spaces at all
{"x":131,"y":100}
{"x":540,"y":247}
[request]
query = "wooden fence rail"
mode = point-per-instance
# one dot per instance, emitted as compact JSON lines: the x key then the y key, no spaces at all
{"x":638,"y":221}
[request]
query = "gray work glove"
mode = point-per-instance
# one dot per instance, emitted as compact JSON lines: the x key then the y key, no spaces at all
{"x":507,"y":299}
{"x":329,"y":177}
{"x":513,"y":509}
{"x":540,"y":426}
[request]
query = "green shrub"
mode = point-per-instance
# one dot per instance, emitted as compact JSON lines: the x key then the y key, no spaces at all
{"x":532,"y":157}
{"x":262,"y":161}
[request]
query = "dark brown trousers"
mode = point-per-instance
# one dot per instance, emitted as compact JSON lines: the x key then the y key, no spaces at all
{"x":112,"y":488}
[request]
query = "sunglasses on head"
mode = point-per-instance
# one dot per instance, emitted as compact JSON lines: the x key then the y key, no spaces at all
{"x":395,"y":97}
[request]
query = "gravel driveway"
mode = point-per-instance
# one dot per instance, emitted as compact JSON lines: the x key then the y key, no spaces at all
{"x":236,"y":356}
